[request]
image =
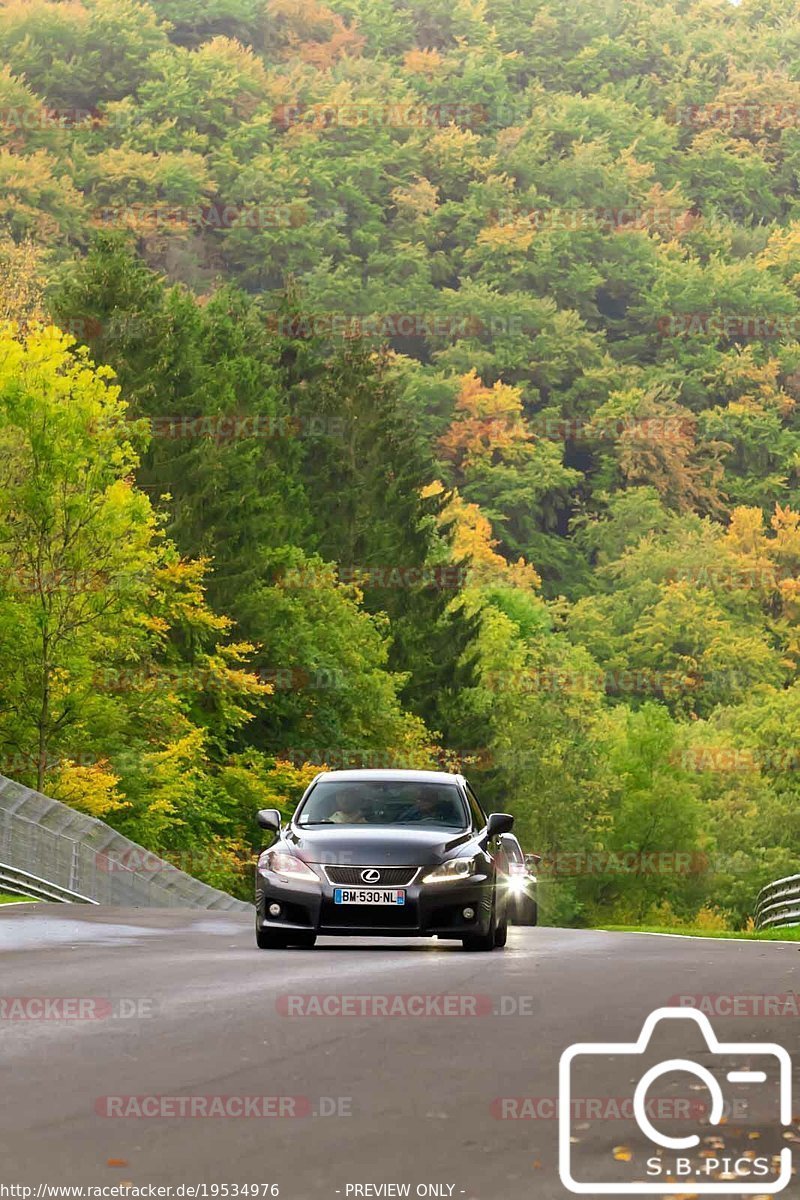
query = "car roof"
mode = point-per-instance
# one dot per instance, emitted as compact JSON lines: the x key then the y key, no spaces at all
{"x":390,"y":774}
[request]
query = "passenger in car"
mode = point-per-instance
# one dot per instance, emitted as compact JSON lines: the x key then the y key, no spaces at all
{"x":349,"y":809}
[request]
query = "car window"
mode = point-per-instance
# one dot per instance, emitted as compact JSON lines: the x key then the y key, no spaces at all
{"x":384,"y":802}
{"x":475,"y":809}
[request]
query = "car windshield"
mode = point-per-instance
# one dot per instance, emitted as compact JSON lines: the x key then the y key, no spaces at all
{"x":384,"y":802}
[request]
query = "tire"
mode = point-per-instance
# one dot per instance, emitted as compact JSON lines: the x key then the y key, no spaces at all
{"x":481,"y":942}
{"x":267,"y":940}
{"x":525,"y":912}
{"x":501,"y":932}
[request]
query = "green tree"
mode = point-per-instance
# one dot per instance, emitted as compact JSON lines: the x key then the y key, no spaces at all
{"x":121,"y":689}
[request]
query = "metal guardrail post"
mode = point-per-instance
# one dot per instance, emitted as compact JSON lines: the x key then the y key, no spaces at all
{"x":5,"y":833}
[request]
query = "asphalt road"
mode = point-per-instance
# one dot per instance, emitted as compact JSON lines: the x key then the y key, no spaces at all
{"x":182,"y":1005}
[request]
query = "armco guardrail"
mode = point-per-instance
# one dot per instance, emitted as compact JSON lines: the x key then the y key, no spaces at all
{"x":778,"y":904}
{"x":51,"y":851}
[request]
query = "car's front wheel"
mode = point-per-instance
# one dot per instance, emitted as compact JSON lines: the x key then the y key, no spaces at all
{"x":527,"y":911}
{"x":267,"y":940}
{"x":484,"y":941}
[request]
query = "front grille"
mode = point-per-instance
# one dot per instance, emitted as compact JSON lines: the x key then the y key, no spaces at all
{"x":368,"y":916}
{"x":389,"y":876}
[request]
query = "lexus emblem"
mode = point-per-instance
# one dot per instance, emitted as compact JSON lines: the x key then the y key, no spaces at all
{"x":371,"y":876}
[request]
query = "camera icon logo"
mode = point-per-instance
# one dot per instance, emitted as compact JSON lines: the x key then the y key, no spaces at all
{"x":688,"y":1174}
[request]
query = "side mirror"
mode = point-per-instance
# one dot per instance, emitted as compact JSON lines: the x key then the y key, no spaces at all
{"x":269,"y":818}
{"x":499,"y":823}
{"x":533,"y":860}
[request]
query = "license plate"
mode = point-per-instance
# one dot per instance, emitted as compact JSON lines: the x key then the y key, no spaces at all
{"x":369,"y":896}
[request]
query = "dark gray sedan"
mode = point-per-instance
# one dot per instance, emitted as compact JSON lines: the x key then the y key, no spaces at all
{"x":377,"y":853}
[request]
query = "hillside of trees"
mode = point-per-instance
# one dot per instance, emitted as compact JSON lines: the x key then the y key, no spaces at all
{"x":401,"y":382}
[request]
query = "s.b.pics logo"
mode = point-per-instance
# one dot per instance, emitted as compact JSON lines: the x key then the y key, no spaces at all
{"x":727,"y":1136}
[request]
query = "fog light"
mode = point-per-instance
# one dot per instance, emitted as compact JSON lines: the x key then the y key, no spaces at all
{"x":274,"y":910}
{"x":468,"y":914}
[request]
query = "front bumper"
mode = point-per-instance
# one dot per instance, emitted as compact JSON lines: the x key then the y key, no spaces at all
{"x":433,"y":909}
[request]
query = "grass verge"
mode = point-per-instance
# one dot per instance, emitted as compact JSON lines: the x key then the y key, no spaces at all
{"x":771,"y":935}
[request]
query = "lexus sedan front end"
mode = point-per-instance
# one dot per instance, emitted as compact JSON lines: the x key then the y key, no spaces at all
{"x":386,"y":854}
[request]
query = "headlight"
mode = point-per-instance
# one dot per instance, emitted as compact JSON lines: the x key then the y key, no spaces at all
{"x":456,"y":868}
{"x":287,"y":865}
{"x":518,"y":878}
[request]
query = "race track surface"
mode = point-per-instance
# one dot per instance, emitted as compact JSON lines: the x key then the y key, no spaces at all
{"x":180,"y":1005}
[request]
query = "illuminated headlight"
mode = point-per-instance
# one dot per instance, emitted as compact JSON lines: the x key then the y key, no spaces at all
{"x":519,"y":878}
{"x":288,"y":866}
{"x":448,"y":872}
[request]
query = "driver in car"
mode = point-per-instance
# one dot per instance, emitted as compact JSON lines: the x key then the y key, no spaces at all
{"x":429,"y":805}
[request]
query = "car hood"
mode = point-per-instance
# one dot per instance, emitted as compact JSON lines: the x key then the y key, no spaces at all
{"x":374,"y":847}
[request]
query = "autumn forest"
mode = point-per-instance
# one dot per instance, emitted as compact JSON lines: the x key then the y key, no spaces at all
{"x":409,"y":383}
